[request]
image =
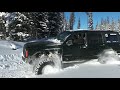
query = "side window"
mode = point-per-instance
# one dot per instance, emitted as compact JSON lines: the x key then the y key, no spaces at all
{"x":79,"y":38}
{"x":111,"y":38}
{"x":94,"y":38}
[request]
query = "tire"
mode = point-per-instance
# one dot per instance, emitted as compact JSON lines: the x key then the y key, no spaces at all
{"x":44,"y":61}
{"x":106,"y":55}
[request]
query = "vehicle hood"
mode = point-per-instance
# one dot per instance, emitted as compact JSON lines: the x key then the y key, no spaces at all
{"x":45,"y":42}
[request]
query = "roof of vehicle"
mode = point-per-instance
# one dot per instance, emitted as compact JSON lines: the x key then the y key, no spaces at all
{"x":91,"y":31}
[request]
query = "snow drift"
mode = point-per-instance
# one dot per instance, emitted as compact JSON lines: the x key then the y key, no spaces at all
{"x":109,"y":56}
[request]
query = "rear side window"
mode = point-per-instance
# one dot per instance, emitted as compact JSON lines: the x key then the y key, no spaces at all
{"x":94,"y":38}
{"x":111,"y":38}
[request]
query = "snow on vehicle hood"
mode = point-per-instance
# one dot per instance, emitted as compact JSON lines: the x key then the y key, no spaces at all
{"x":48,"y":40}
{"x":54,"y":40}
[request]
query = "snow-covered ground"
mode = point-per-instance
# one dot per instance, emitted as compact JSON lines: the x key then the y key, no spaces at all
{"x":12,"y":66}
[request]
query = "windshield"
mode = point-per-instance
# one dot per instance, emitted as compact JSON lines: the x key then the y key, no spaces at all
{"x":63,"y":36}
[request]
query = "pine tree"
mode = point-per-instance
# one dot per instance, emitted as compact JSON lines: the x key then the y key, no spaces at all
{"x":90,"y":21}
{"x":38,"y":22}
{"x":102,"y":24}
{"x":105,"y":24}
{"x":108,"y":24}
{"x":72,"y":20}
{"x":55,"y":24}
{"x":108,"y":20}
{"x":78,"y":27}
{"x":113,"y":25}
{"x":2,"y":26}
{"x":30,"y":22}
{"x":61,"y":20}
{"x":26,"y":22}
{"x":97,"y":26}
{"x":17,"y":22}
{"x":119,"y":24}
{"x":65,"y":24}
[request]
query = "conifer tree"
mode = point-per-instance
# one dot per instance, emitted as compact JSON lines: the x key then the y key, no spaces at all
{"x":72,"y":20}
{"x":55,"y":24}
{"x":78,"y":27}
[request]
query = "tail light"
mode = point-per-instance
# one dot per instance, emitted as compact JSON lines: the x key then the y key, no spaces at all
{"x":26,"y":53}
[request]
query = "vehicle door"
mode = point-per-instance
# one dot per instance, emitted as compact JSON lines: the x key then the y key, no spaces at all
{"x":95,"y":44}
{"x":73,"y":46}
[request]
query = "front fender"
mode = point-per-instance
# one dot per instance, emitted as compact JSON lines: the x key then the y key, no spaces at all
{"x":47,"y":51}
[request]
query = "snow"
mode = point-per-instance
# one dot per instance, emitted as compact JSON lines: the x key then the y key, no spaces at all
{"x":19,"y":25}
{"x":54,"y":40}
{"x":12,"y":66}
{"x":2,"y":13}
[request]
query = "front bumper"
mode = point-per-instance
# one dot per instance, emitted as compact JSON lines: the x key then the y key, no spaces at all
{"x":27,"y":60}
{"x":23,"y":58}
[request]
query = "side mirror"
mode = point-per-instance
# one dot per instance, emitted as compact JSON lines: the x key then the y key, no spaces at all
{"x":69,"y":42}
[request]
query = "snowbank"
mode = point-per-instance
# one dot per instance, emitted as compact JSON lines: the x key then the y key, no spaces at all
{"x":11,"y":63}
{"x":12,"y":66}
{"x":11,"y":44}
{"x":4,"y":43}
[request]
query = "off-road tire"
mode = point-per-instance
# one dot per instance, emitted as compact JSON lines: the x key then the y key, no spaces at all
{"x":43,"y":61}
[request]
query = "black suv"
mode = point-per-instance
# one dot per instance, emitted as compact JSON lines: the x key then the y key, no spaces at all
{"x":69,"y":46}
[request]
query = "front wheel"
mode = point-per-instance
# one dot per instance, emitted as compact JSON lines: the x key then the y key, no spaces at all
{"x":47,"y":64}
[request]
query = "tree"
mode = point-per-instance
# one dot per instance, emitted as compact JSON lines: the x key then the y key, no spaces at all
{"x":105,"y":24}
{"x":102,"y":24}
{"x":113,"y":25}
{"x":2,"y":26}
{"x":97,"y":26}
{"x":108,"y":20}
{"x":118,"y":24}
{"x":108,"y":24}
{"x":66,"y":24}
{"x":38,"y":23}
{"x":90,"y":20}
{"x":33,"y":23}
{"x":55,"y":24}
{"x":72,"y":20}
{"x":17,"y":22}
{"x":78,"y":27}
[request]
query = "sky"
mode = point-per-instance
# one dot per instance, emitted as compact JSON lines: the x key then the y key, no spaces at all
{"x":96,"y":17}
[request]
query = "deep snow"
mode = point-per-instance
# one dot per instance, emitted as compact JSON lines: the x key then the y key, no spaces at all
{"x":12,"y":66}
